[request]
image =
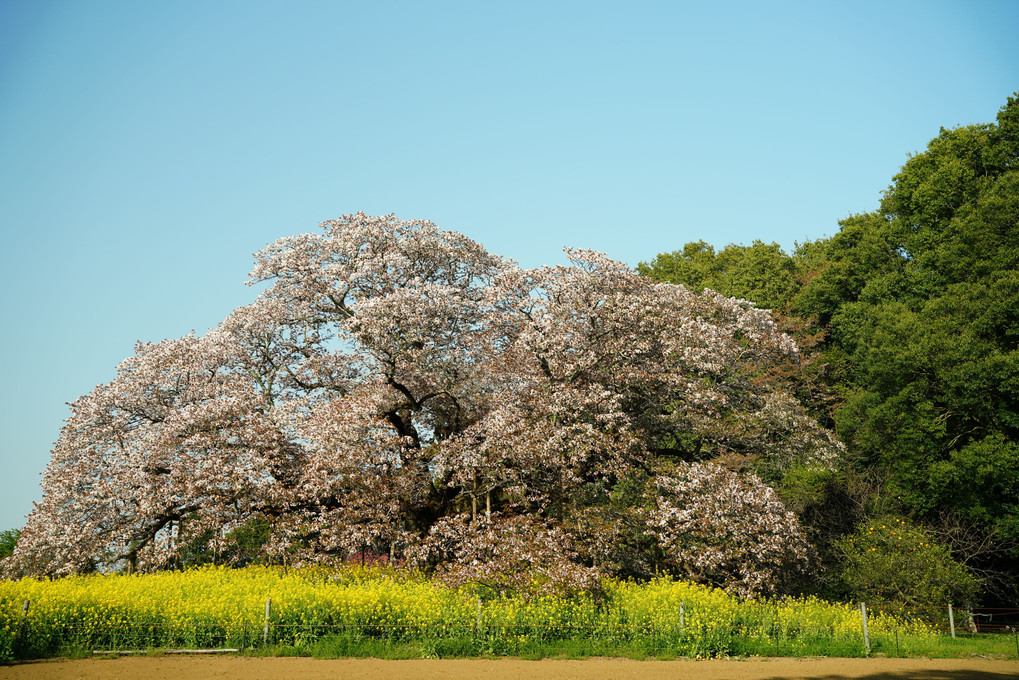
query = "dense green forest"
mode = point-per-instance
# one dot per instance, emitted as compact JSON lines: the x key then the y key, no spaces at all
{"x":908,"y":320}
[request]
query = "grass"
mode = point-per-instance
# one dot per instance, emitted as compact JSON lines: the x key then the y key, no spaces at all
{"x":345,"y":645}
{"x":944,"y":647}
{"x":354,"y":645}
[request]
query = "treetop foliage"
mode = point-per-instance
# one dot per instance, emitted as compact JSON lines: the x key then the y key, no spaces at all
{"x":8,"y":539}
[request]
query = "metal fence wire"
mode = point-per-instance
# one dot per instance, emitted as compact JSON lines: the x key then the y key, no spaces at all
{"x":766,"y":629}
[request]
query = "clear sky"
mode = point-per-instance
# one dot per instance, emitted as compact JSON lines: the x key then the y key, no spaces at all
{"x":147,"y":149}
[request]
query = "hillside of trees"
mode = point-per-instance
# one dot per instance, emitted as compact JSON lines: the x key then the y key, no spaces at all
{"x":909,"y":318}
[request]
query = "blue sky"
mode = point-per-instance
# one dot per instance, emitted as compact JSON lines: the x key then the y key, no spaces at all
{"x":148,"y":149}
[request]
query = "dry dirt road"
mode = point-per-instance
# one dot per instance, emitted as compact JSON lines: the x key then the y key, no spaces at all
{"x":244,"y":668}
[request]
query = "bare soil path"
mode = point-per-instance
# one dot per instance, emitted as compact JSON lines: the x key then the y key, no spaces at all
{"x":246,"y":668}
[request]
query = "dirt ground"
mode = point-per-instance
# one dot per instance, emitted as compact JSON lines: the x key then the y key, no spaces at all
{"x":244,"y":668}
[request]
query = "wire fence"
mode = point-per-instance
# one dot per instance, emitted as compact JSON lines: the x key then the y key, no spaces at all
{"x":765,"y":629}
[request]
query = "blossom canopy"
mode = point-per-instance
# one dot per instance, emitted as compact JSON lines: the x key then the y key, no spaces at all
{"x":397,"y":390}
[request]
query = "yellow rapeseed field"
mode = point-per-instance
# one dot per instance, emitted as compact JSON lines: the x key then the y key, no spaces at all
{"x":217,"y":606}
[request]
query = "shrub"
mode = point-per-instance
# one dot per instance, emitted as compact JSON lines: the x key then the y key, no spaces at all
{"x":890,"y":561}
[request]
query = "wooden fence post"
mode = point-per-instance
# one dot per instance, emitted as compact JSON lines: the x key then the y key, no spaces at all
{"x":866,"y":633}
{"x":951,"y":620}
{"x":682,"y":616}
{"x":20,"y":632}
{"x":265,"y":628}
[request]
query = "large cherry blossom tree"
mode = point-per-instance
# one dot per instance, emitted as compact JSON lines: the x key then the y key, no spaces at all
{"x":399,"y":390}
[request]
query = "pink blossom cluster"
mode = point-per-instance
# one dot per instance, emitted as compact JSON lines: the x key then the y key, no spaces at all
{"x":714,"y":525}
{"x":520,"y":554}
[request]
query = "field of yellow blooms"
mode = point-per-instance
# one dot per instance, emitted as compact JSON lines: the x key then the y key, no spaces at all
{"x":220,"y":607}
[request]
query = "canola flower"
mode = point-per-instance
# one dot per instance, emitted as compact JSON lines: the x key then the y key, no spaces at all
{"x":216,"y":606}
